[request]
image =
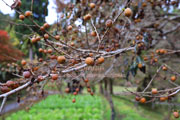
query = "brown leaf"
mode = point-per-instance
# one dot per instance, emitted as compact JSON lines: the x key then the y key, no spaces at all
{"x":15,"y":4}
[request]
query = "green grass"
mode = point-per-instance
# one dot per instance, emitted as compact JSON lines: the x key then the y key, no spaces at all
{"x":126,"y":110}
{"x":57,"y":107}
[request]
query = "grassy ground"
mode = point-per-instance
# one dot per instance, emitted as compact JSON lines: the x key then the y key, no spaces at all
{"x":88,"y":107}
{"x":127,"y":110}
{"x":57,"y":107}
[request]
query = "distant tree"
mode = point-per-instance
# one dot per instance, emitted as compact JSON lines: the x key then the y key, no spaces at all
{"x":7,"y":52}
{"x":2,"y":19}
{"x":40,"y":10}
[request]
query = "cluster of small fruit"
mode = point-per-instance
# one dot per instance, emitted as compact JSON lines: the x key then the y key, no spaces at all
{"x":154,"y":56}
{"x":160,"y":95}
{"x":62,"y":59}
{"x":40,"y":78}
{"x":77,"y":90}
{"x":8,"y":86}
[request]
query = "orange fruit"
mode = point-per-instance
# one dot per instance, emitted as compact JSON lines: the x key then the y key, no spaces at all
{"x":57,"y":37}
{"x":74,"y":100}
{"x":143,"y":100}
{"x":77,"y":89}
{"x":164,"y":68}
{"x":46,"y":25}
{"x":21,"y":17}
{"x":23,"y":62}
{"x":145,"y":58}
{"x":87,"y":17}
{"x":49,"y":51}
{"x":54,"y":76}
{"x":176,"y":114}
{"x":67,"y":90}
{"x":74,"y":93}
{"x":92,"y":5}
{"x":45,"y":51}
{"x":42,"y":28}
{"x":155,"y":59}
{"x":89,"y":61}
{"x":61,"y":59}
{"x":38,"y":38}
{"x":41,"y":50}
{"x":46,"y":36}
{"x":140,"y":65}
{"x":86,"y":80}
{"x":35,"y":68}
{"x":173,"y":78}
{"x":154,"y":91}
{"x":144,"y":4}
{"x":28,"y":13}
{"x":127,"y":12}
{"x":33,"y":40}
{"x":93,"y":33}
{"x":162,"y":99}
{"x":69,"y":27}
{"x":100,"y":60}
{"x":89,"y":89}
{"x":158,"y":51}
{"x":40,"y":59}
{"x":137,"y":98}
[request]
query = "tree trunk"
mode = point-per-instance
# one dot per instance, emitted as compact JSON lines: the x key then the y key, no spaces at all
{"x":30,"y":53}
{"x":111,"y":86}
{"x":101,"y":88}
{"x":109,"y":98}
{"x":105,"y":84}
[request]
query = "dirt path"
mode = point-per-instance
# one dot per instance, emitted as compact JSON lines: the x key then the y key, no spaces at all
{"x":14,"y":106}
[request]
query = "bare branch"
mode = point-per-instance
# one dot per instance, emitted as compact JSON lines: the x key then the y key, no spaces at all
{"x":158,"y":70}
{"x":3,"y":104}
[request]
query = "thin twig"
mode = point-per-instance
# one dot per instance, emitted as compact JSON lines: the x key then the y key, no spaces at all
{"x":32,"y":1}
{"x":96,"y":31}
{"x":158,"y":70}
